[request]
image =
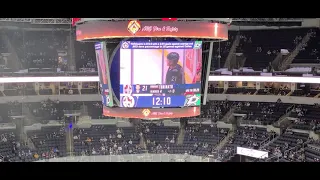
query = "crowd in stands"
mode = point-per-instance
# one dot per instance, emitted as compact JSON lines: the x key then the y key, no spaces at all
{"x":289,"y":146}
{"x":51,"y":47}
{"x":46,"y":50}
{"x":310,"y":52}
{"x":306,"y":117}
{"x":259,"y":49}
{"x":49,"y":142}
{"x":106,"y":140}
{"x":278,"y":89}
{"x":213,"y":110}
{"x":85,"y":55}
{"x":265,"y":113}
{"x":29,"y":89}
{"x":250,"y":137}
{"x":154,"y":137}
{"x":38,"y":49}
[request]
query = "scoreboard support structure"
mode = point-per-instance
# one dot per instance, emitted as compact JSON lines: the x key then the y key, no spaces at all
{"x":205,"y":94}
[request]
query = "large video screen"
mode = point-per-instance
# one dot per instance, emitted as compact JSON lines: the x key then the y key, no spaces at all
{"x":160,"y":74}
{"x":103,"y":71}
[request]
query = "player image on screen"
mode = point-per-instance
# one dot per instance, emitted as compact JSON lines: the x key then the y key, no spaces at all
{"x":175,"y":73}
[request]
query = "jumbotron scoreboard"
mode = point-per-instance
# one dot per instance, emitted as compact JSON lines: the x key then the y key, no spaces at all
{"x":146,"y":78}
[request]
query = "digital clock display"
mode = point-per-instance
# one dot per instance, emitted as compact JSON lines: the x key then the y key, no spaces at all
{"x":160,"y":74}
{"x":161,"y":101}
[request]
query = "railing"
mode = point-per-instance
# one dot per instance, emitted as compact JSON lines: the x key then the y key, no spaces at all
{"x":273,"y":158}
{"x":289,"y":109}
{"x":295,"y":52}
{"x":145,"y":157}
{"x":250,"y":122}
{"x":230,"y":154}
{"x":227,"y":116}
{"x":72,"y":111}
{"x":223,"y":141}
{"x":287,"y":114}
{"x":270,"y":138}
{"x":232,"y":51}
{"x":276,"y":62}
{"x":296,"y":148}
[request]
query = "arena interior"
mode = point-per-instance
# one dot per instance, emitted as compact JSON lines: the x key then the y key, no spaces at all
{"x":259,"y":95}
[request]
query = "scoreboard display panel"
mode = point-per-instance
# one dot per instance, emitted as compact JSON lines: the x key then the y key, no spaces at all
{"x":103,"y":71}
{"x":160,"y":74}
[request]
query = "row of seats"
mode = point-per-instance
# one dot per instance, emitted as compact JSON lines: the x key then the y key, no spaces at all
{"x":259,"y":49}
{"x":265,"y":91}
{"x":47,"y":49}
{"x":265,"y":113}
{"x":48,"y":110}
{"x":18,"y":91}
{"x":29,"y":91}
{"x":305,"y":117}
{"x":213,"y":110}
{"x":199,"y":139}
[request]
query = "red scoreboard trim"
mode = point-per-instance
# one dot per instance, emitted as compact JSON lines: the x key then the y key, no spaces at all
{"x":74,"y":21}
{"x":169,"y":19}
{"x":125,"y":29}
{"x":151,"y":113}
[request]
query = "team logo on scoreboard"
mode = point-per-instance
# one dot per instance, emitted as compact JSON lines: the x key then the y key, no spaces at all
{"x":197,"y":44}
{"x":134,"y":26}
{"x":128,"y":101}
{"x":146,"y":112}
{"x":107,"y":100}
{"x":125,"y":45}
{"x":192,"y":100}
{"x":127,"y":89}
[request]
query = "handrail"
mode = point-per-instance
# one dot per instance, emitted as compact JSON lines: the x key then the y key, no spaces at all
{"x":295,"y":147}
{"x":266,"y":141}
{"x":144,"y":157}
{"x":295,"y":52}
{"x":234,"y":46}
{"x":250,"y":122}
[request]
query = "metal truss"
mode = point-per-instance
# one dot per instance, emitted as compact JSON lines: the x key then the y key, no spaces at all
{"x":227,"y":20}
{"x":15,"y":19}
{"x":268,"y":19}
{"x":51,"y":21}
{"x":38,"y":20}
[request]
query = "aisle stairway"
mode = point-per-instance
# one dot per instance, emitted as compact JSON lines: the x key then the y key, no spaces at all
{"x":286,"y":62}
